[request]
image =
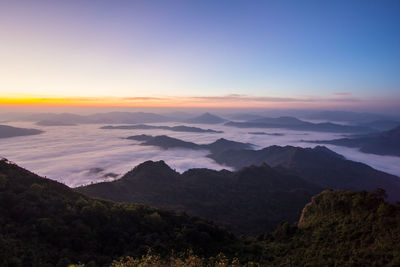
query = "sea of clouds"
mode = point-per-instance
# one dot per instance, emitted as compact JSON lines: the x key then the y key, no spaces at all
{"x":83,"y":154}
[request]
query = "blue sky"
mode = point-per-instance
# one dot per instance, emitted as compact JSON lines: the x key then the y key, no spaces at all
{"x":297,"y":49}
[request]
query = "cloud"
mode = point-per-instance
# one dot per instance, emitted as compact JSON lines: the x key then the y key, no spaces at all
{"x":144,"y":98}
{"x":265,"y":99}
{"x":68,"y":153}
{"x":342,"y":94}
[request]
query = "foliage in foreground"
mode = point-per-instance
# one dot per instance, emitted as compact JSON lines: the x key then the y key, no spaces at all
{"x":181,"y":260}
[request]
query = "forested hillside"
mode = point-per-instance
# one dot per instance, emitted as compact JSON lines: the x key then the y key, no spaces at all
{"x":45,"y":223}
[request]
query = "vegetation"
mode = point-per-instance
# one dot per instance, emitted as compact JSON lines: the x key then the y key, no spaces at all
{"x":182,"y":260}
{"x":44,"y":223}
{"x":317,"y":165}
{"x":340,"y":228}
{"x":251,"y":201}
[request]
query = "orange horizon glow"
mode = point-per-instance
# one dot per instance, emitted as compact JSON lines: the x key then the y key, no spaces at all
{"x":230,"y":101}
{"x":128,"y":102}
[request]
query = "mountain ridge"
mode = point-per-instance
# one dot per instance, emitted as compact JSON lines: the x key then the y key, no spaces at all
{"x":43,"y":222}
{"x":292,"y":123}
{"x":318,"y":165}
{"x":166,"y":142}
{"x":383,"y":143}
{"x":208,"y":193}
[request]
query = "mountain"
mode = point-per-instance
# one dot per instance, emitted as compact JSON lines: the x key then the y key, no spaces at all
{"x":244,"y":117}
{"x":318,"y":165}
{"x":44,"y":223}
{"x":167,"y":142}
{"x":55,"y":117}
{"x":108,"y":117}
{"x":342,"y":228}
{"x":382,"y":125}
{"x":179,"y":115}
{"x":10,"y":131}
{"x":351,"y":117}
{"x":223,"y":144}
{"x":264,"y":133}
{"x":126,"y":117}
{"x":164,"y":142}
{"x":54,"y":123}
{"x":251,"y":201}
{"x":283,"y":121}
{"x":206,"y":118}
{"x":384,"y":143}
{"x":292,"y":123}
{"x":179,"y":128}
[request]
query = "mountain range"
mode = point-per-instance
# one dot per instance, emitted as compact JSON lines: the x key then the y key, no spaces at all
{"x":178,"y":128}
{"x":384,"y":143}
{"x":292,"y":123}
{"x":382,"y":125}
{"x":108,"y":117}
{"x":45,"y":223}
{"x":245,"y":201}
{"x":318,"y":165}
{"x":351,"y":117}
{"x":54,"y":123}
{"x":166,"y":142}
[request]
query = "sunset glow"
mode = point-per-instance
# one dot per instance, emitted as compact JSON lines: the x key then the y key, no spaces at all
{"x":188,"y":53}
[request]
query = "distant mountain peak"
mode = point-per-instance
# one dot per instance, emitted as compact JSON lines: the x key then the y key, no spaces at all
{"x":206,"y":118}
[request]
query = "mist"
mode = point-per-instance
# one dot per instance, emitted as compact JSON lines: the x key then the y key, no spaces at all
{"x":84,"y":154}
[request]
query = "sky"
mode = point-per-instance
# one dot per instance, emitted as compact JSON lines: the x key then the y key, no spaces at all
{"x":220,"y":53}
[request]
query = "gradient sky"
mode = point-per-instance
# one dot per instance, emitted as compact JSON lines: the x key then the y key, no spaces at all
{"x":234,"y":53}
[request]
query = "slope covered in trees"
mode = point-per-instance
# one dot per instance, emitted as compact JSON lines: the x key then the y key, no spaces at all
{"x":384,"y":143}
{"x":340,"y":228}
{"x":318,"y":165}
{"x":253,"y":200}
{"x":45,"y":222}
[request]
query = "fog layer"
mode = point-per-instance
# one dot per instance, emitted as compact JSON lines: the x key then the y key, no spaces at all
{"x":82,"y":154}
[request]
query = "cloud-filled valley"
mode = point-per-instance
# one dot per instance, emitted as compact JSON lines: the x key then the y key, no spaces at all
{"x":70,"y":154}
